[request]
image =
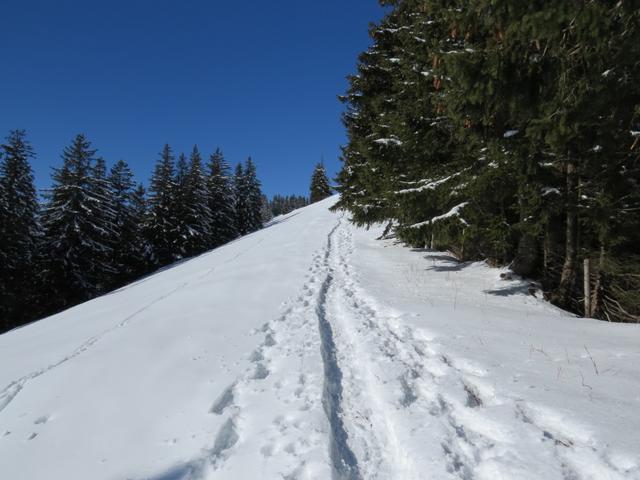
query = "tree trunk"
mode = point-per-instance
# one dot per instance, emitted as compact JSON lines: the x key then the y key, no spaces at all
{"x":596,"y":298}
{"x":567,"y":279}
{"x":526,"y":261}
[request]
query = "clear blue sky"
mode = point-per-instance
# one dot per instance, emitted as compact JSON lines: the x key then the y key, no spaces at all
{"x":256,"y":78}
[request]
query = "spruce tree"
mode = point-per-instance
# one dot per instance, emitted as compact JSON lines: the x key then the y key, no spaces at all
{"x":320,"y":188}
{"x":180,"y":207}
{"x":141,"y":253}
{"x":129,"y":251}
{"x":253,"y":195}
{"x":195,"y":206}
{"x":266,"y":213}
{"x":281,"y":205}
{"x":104,"y":215}
{"x":76,"y":228}
{"x":19,"y":231}
{"x":163,"y":226}
{"x":241,"y":201}
{"x":504,"y":130}
{"x":223,"y":227}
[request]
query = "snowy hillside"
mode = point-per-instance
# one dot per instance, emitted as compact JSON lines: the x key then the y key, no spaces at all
{"x":309,"y":350}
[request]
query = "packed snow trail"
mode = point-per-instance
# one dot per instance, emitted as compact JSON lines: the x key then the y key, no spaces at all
{"x":311,"y":351}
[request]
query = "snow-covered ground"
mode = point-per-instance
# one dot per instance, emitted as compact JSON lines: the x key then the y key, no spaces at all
{"x":309,"y":350}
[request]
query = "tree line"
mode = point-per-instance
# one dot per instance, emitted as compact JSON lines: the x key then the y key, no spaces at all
{"x":98,"y":230}
{"x":507,"y":131}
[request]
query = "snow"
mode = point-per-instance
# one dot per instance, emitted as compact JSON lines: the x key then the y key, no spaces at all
{"x":427,"y":184}
{"x":310,"y":350}
{"x":550,"y":191}
{"x":453,"y":213}
{"x":510,"y":133}
{"x":389,"y":141}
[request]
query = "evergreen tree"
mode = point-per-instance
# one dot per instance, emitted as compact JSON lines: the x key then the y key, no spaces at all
{"x":223,"y":226}
{"x":504,"y":130}
{"x":19,"y":231}
{"x":129,"y":252}
{"x":141,"y":253}
{"x":242,"y":205}
{"x":104,"y":215}
{"x":266,"y":213}
{"x":253,"y":196}
{"x":195,"y":206}
{"x":180,"y":208}
{"x":76,"y":228}
{"x":320,"y":188}
{"x":163,"y":226}
{"x":281,"y":205}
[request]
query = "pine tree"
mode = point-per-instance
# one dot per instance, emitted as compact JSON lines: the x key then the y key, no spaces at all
{"x":320,"y":188}
{"x":141,"y":253}
{"x":253,"y":197}
{"x":180,"y":208}
{"x":504,"y":130}
{"x":242,"y":206}
{"x":281,"y":205}
{"x":75,"y":231}
{"x":223,"y":226}
{"x":163,"y":226}
{"x":266,"y":213}
{"x":195,"y":206}
{"x":104,"y":216}
{"x":129,"y":252}
{"x":19,"y":231}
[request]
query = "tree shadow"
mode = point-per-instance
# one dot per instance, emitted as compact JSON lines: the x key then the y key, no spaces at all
{"x":278,"y":221}
{"x":453,"y":265}
{"x":519,"y":289}
{"x":184,"y":471}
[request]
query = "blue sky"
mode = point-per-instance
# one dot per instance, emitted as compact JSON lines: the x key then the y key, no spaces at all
{"x":256,"y":78}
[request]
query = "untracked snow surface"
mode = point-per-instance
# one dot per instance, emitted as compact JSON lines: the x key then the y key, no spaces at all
{"x":310,"y":350}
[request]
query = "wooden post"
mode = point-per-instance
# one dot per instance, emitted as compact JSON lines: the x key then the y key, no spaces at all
{"x":587,"y":288}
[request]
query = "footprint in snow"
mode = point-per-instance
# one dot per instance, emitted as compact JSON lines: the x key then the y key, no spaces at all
{"x":223,"y":401}
{"x":41,"y":420}
{"x":269,"y":341}
{"x":261,"y":372}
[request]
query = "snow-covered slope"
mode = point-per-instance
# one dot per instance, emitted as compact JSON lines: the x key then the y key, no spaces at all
{"x":309,"y":350}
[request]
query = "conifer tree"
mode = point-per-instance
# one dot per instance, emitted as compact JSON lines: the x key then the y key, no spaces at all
{"x":253,"y":196}
{"x":75,"y":231}
{"x":266,"y":213}
{"x":281,"y":205}
{"x":195,"y":206}
{"x":19,"y":231}
{"x":223,"y":226}
{"x":104,"y":215}
{"x":320,"y":188}
{"x":163,"y":226}
{"x":129,"y":252}
{"x":242,"y":205}
{"x":180,"y":207}
{"x":141,"y":253}
{"x":504,"y":130}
